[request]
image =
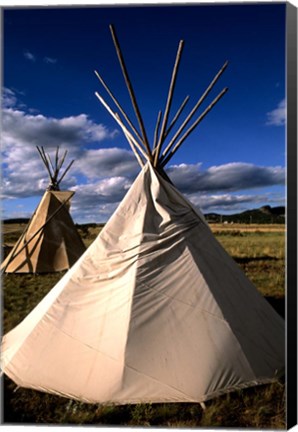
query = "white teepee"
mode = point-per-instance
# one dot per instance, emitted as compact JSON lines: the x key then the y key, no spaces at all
{"x":154,"y":311}
{"x":50,"y":241}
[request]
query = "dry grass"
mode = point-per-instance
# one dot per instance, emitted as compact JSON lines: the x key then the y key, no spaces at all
{"x":219,"y":227}
{"x":261,"y":255}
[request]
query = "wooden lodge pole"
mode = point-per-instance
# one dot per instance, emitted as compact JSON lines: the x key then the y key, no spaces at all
{"x":45,"y":161}
{"x":176,"y":116}
{"x":131,"y":92}
{"x":171,"y":153}
{"x":190,"y":115}
{"x":139,"y":147}
{"x":139,"y":159}
{"x":67,"y":169}
{"x":118,"y":106}
{"x":169,"y":101}
{"x":156,"y":132}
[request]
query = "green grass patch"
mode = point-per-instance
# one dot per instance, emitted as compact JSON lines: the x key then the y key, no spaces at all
{"x":261,"y":255}
{"x":261,"y":407}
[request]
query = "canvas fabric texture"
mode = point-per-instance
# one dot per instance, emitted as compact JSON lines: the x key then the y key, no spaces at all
{"x":154,"y":311}
{"x":56,"y":247}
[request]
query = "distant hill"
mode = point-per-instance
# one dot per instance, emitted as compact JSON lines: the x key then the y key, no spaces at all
{"x":16,"y":221}
{"x":262,"y":215}
{"x":265,"y":215}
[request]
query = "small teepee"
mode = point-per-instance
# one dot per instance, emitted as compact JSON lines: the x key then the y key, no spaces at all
{"x":155,"y":310}
{"x":50,"y":241}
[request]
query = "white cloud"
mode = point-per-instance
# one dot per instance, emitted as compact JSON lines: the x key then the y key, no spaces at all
{"x":101,"y":177}
{"x":23,"y":170}
{"x":107,"y":162}
{"x":50,"y":60}
{"x":22,"y":129}
{"x":9,"y":98}
{"x":29,"y":56}
{"x":277,"y":117}
{"x":105,"y":190}
{"x":91,"y":213}
{"x":97,"y":200}
{"x":12,"y":99}
{"x":226,"y":202}
{"x":32,"y":57}
{"x":228,"y":177}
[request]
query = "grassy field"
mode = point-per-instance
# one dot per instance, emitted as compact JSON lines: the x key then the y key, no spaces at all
{"x":258,"y":249}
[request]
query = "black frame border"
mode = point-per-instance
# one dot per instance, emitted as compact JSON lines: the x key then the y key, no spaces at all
{"x":291,"y":288}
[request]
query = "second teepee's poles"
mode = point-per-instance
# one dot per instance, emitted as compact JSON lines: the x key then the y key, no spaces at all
{"x":59,"y":181}
{"x":55,"y":181}
{"x":45,"y":161}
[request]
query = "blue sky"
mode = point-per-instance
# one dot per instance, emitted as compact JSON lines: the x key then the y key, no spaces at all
{"x":233,"y":161}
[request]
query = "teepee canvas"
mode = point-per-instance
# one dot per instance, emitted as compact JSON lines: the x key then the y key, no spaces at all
{"x":154,"y":311}
{"x":50,"y":241}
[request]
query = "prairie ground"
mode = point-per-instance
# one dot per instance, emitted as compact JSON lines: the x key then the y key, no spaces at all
{"x":258,"y":249}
